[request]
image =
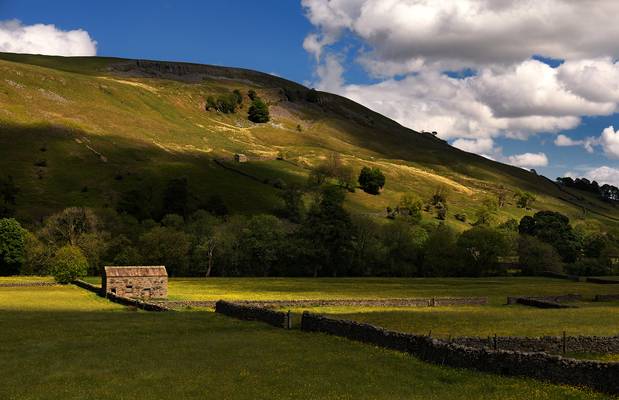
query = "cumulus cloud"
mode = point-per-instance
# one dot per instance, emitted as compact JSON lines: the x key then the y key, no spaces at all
{"x":45,"y":39}
{"x":409,"y":44}
{"x":565,"y":141}
{"x":528,"y":160}
{"x":602,"y":175}
{"x":609,"y":140}
{"x":456,"y":34}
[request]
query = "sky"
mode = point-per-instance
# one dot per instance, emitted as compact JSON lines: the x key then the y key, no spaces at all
{"x":533,"y":83}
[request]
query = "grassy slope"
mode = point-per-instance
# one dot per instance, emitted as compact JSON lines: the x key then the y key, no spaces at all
{"x":99,"y":118}
{"x":79,"y":347}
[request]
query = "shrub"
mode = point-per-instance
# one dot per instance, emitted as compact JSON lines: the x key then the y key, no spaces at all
{"x":258,"y":112}
{"x":252,"y":94}
{"x":68,"y":264}
{"x":371,"y":180}
{"x":460,"y":217}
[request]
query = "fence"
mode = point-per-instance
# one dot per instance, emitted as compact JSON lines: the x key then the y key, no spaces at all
{"x":251,"y":313}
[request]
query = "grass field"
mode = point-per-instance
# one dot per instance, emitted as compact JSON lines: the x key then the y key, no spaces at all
{"x":496,"y":289}
{"x":495,"y":318}
{"x":66,"y":343}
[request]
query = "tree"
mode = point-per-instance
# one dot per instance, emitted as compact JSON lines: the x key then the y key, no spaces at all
{"x":371,"y":180}
{"x":252,"y":94}
{"x":261,"y":243}
{"x":403,"y":243}
{"x":537,"y":256}
{"x":441,"y":254}
{"x":12,"y":246}
{"x":37,"y":256}
{"x":409,"y":208}
{"x":487,"y":212}
{"x":481,"y":246}
{"x":293,"y":203}
{"x":137,"y":202}
{"x":166,"y":246}
{"x":67,"y":226}
{"x":8,"y":197}
{"x":328,"y":232}
{"x":258,"y":111}
{"x":69,"y":264}
{"x":237,"y":96}
{"x":553,"y":228}
{"x":524,"y":199}
{"x":370,"y":253}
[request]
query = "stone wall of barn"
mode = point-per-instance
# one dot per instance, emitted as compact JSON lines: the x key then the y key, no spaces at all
{"x":140,"y":287}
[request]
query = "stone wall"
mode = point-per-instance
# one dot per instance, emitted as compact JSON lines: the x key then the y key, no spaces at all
{"x":597,"y":375}
{"x":537,"y":302}
{"x":415,"y":302}
{"x":155,"y":287}
{"x":143,"y":305}
{"x":88,"y":286}
{"x":603,"y":281}
{"x":557,"y":275}
{"x":27,"y":284}
{"x":251,"y":313}
{"x":548,"y":344}
{"x":606,"y":297}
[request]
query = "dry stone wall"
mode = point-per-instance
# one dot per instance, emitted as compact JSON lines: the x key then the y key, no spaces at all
{"x":27,"y":284}
{"x":606,"y":297}
{"x":597,"y":375}
{"x":251,"y":313}
{"x":603,"y":281}
{"x":548,"y":344}
{"x":412,"y":302}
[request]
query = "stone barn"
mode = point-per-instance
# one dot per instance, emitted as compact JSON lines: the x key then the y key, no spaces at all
{"x":240,"y":158}
{"x":136,"y":282}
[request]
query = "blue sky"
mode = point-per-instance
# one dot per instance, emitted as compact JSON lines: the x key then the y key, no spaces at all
{"x":507,"y":96}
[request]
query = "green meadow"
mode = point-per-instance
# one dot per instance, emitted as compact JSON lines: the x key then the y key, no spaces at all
{"x":66,"y":343}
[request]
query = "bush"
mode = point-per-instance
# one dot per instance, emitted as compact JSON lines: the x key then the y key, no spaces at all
{"x":258,"y":112}
{"x":460,"y":217}
{"x":68,"y":264}
{"x":371,"y":180}
{"x":252,"y":94}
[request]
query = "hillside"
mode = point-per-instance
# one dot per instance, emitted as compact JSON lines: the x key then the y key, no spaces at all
{"x":83,"y":130}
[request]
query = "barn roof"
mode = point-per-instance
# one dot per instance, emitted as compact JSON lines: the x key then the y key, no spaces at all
{"x":135,"y":271}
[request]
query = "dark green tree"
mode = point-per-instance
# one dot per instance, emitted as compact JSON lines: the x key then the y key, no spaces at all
{"x":258,"y":111}
{"x":251,"y":93}
{"x":12,"y":246}
{"x":371,"y":180}
{"x":537,"y":257}
{"x":293,"y":203}
{"x":440,"y":253}
{"x":481,"y":247}
{"x":328,"y":234}
{"x":553,"y":228}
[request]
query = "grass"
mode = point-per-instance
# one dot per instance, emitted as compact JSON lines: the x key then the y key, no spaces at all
{"x":589,"y":319}
{"x":25,"y":279}
{"x":78,"y":346}
{"x":151,"y":129}
{"x":496,"y":289}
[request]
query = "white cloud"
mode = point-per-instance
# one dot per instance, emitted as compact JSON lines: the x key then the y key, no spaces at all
{"x":565,"y":141}
{"x":479,"y":146}
{"x":602,"y":175}
{"x":44,"y":39}
{"x":509,"y":95}
{"x":609,"y":140}
{"x":528,"y":160}
{"x":456,"y":34}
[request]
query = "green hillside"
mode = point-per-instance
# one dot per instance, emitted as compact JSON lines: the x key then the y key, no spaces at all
{"x":83,"y":130}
